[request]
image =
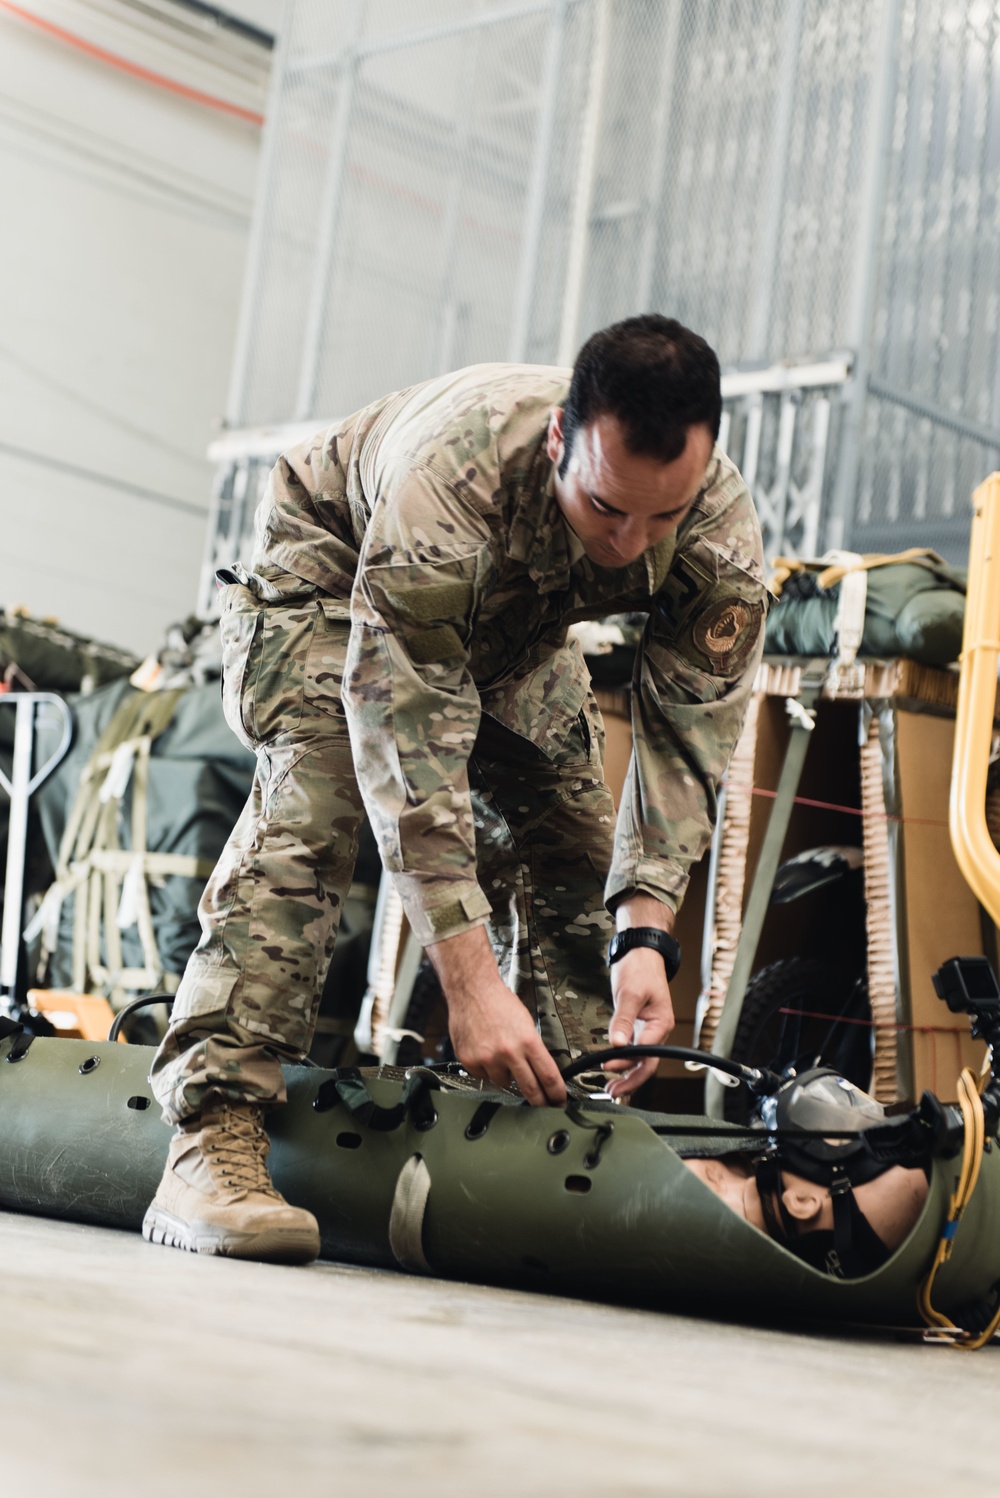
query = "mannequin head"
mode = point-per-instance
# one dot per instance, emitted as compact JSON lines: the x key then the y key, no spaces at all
{"x":891,"y":1202}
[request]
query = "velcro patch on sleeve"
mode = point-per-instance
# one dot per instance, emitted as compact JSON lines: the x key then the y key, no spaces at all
{"x":428,"y":646}
{"x":425,"y":601}
{"x":723,"y":635}
{"x":470,"y":907}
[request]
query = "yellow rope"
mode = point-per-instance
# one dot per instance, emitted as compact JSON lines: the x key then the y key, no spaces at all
{"x":974,"y":1119}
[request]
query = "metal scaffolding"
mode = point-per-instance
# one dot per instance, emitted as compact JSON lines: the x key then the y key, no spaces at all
{"x":802,"y":181}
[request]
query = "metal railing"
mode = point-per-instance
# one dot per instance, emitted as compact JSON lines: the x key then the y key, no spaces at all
{"x":451,"y":181}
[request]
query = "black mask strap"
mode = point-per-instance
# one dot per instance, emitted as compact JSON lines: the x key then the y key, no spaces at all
{"x":767,"y":1172}
{"x":852,"y":1249}
{"x":858,"y":1247}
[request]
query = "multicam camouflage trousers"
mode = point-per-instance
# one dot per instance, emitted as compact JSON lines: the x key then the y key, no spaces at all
{"x":269,"y":914}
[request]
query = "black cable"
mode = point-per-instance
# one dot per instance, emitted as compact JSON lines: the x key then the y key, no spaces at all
{"x":753,"y":1076}
{"x":123,"y":1014}
{"x":168,"y":999}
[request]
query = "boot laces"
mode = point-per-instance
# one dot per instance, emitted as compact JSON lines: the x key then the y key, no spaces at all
{"x":237,"y":1147}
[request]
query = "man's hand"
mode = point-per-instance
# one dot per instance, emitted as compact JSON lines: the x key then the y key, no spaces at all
{"x":492,"y":1032}
{"x":643,"y":1013}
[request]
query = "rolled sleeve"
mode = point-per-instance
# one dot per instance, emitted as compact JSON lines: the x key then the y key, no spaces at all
{"x":412,"y":707}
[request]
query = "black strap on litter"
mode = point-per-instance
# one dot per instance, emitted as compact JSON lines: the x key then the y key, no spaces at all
{"x":911,"y":1140}
{"x":138,"y":1004}
{"x":481,"y":1119}
{"x":418,"y":1090}
{"x":348,"y":1087}
{"x":9,"y":1026}
{"x":602,"y":1133}
{"x":135,"y":1004}
{"x":22,"y":1042}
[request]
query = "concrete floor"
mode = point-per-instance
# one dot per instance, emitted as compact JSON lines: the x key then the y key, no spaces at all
{"x":131,"y":1370}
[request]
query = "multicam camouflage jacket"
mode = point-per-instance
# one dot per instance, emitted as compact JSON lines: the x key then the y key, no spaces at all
{"x":429,"y":520}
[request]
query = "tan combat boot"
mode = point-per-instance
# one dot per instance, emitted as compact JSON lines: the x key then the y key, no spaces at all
{"x":216,"y":1196}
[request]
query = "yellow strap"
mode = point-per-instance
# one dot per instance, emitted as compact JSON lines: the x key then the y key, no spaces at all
{"x":829,"y":576}
{"x":919,"y":555}
{"x":784,"y":568}
{"x":974,"y":1142}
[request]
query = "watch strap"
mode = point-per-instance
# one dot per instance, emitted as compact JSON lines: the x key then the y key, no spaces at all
{"x":647,"y":936}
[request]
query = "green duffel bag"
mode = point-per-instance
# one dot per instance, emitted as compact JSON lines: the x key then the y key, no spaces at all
{"x":913,"y":604}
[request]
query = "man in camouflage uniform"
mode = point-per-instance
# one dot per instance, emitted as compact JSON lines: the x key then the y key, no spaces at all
{"x":400,"y":647}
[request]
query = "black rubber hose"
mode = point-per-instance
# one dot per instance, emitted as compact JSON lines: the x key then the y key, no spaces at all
{"x":753,"y":1076}
{"x":123,"y":1014}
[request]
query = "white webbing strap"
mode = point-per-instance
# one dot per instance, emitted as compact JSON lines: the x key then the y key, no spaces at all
{"x":406,"y":1220}
{"x":850,"y":621}
{"x":110,"y":884}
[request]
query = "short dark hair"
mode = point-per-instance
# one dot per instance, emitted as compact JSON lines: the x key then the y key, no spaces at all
{"x":656,"y":376}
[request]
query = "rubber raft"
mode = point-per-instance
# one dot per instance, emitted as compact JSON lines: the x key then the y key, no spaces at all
{"x":424,"y":1173}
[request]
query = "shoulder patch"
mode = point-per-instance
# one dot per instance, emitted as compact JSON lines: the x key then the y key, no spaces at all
{"x":725,"y":634}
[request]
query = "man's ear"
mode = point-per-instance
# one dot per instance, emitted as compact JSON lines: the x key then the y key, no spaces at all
{"x":554,"y":444}
{"x":803,"y":1200}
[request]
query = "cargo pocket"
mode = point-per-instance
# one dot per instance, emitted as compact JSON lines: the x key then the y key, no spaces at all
{"x":276,"y":676}
{"x":240,"y":627}
{"x":323,"y":686}
{"x":205,"y":993}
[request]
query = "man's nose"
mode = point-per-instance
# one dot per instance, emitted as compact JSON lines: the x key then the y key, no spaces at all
{"x":631,"y":537}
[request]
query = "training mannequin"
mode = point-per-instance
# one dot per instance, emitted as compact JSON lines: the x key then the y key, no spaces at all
{"x":891,"y":1203}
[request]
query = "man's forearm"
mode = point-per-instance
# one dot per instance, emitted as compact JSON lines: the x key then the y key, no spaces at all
{"x":643,"y":910}
{"x":464,"y":963}
{"x":643,"y":1011}
{"x":494,"y":1035}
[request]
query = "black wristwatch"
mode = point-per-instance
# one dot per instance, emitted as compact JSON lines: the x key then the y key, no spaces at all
{"x":648,"y":936}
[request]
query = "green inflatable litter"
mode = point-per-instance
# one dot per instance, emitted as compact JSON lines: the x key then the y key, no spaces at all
{"x":428,"y":1172}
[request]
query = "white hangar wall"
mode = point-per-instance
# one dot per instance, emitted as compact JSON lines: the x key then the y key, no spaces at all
{"x":125,"y":212}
